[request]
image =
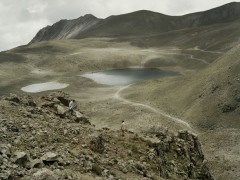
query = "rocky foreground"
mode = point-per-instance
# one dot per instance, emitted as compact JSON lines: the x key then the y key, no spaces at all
{"x":38,"y":140}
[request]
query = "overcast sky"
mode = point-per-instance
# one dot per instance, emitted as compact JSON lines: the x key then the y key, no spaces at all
{"x":20,"y":20}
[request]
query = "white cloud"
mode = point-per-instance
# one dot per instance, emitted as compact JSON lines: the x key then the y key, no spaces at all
{"x":13,"y":35}
{"x":20,"y":20}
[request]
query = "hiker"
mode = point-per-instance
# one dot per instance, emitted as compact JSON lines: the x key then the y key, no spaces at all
{"x":123,"y":128}
{"x":72,"y":106}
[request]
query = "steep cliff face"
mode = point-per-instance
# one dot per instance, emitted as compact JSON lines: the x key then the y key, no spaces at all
{"x":66,"y":29}
{"x":136,"y":24}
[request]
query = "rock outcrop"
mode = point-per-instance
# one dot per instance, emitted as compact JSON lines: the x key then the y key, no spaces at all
{"x":36,"y":143}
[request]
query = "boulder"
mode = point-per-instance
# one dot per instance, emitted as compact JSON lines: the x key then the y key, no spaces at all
{"x":21,"y":158}
{"x":45,"y":174}
{"x":60,"y":111}
{"x":61,"y":96}
{"x":56,"y":100}
{"x":5,"y":149}
{"x":36,"y":163}
{"x":28,"y":101}
{"x":49,"y":157}
{"x":13,"y":98}
{"x":80,"y":118}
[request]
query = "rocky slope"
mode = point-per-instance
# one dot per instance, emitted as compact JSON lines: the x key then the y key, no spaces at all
{"x":40,"y":141}
{"x":66,"y":29}
{"x":136,"y":23}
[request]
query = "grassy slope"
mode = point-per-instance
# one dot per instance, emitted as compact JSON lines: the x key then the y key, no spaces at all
{"x":200,"y":98}
{"x":220,"y":37}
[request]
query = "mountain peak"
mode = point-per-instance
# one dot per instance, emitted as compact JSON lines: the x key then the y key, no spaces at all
{"x":66,"y":29}
{"x":89,"y":16}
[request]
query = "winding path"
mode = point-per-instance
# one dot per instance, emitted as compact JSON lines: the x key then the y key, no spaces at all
{"x":191,"y":56}
{"x":157,"y":111}
{"x":183,"y":54}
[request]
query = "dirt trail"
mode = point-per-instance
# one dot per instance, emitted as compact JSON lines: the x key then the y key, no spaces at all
{"x":157,"y":111}
{"x":207,"y":51}
{"x":196,"y":49}
{"x":191,"y":56}
{"x":184,"y":54}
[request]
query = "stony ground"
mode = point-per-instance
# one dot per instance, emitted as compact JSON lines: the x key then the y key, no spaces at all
{"x":39,"y":140}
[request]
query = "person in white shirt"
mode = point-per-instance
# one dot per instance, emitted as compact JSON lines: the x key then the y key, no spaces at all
{"x":123,"y":128}
{"x":72,"y":106}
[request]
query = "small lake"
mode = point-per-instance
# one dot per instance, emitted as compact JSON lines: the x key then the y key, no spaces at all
{"x":40,"y":87}
{"x":127,"y":76}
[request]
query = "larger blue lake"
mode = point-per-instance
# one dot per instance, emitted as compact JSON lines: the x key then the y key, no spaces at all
{"x":127,"y":76}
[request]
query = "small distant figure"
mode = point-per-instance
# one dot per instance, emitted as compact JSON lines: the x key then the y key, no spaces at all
{"x":72,"y":106}
{"x":123,"y":128}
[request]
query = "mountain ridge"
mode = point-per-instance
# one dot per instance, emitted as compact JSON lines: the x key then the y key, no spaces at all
{"x":138,"y":23}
